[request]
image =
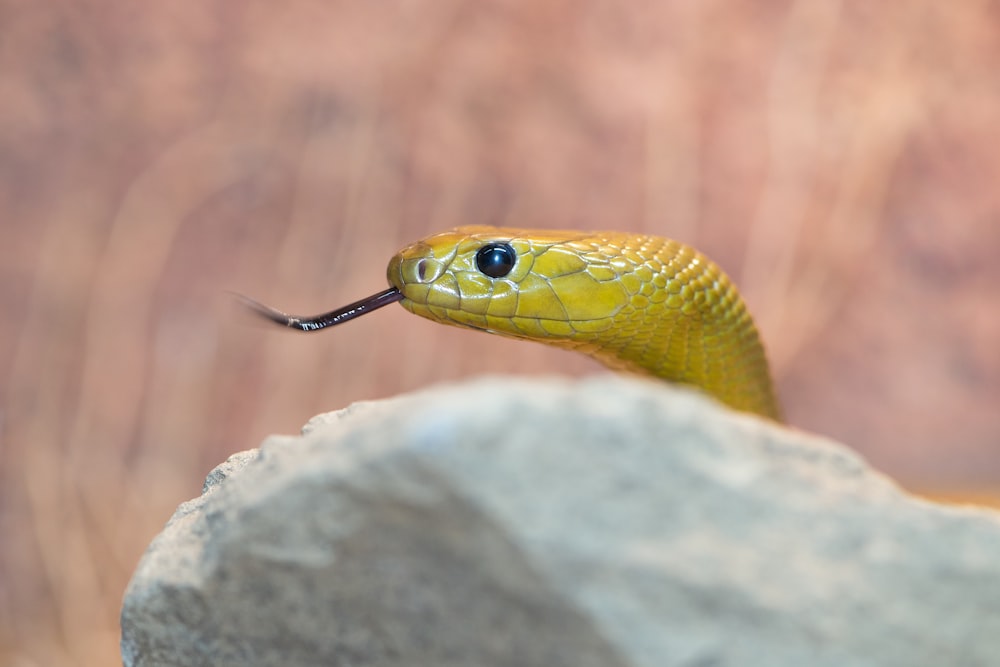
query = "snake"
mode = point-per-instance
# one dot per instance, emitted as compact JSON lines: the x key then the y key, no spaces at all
{"x":637,"y":303}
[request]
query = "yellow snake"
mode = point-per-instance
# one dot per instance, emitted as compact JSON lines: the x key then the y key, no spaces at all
{"x":639,"y":303}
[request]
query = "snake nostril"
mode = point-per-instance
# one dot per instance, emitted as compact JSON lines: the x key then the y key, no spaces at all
{"x":422,"y":270}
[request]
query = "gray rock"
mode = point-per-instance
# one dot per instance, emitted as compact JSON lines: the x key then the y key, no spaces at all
{"x":611,"y":521}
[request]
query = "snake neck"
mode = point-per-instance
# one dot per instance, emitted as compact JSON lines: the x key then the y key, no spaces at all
{"x":720,"y":354}
{"x":684,"y":321}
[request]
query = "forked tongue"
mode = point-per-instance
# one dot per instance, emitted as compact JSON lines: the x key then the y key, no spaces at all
{"x":333,"y":318}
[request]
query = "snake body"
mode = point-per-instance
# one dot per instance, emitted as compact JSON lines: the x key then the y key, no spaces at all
{"x":638,"y":303}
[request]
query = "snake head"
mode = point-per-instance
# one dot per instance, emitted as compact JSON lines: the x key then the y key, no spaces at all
{"x":546,"y":286}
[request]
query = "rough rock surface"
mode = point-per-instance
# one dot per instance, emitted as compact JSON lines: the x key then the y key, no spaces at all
{"x":546,"y":522}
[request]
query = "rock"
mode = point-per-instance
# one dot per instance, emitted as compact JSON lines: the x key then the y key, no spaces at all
{"x":611,"y":521}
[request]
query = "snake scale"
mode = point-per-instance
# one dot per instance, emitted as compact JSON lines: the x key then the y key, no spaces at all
{"x":638,"y":303}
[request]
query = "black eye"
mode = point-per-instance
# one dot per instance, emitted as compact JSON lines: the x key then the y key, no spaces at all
{"x":495,"y":259}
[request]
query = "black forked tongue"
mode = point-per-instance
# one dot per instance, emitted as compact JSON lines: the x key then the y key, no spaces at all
{"x":334,"y":317}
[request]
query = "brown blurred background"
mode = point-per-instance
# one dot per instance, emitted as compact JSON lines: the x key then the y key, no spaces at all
{"x":841,"y":160}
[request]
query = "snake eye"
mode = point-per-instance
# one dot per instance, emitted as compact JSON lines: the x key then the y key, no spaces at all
{"x":495,"y":259}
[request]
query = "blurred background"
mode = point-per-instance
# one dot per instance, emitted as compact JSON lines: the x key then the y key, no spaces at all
{"x":841,"y":160}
